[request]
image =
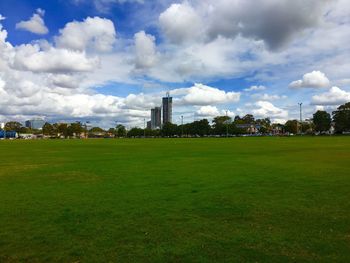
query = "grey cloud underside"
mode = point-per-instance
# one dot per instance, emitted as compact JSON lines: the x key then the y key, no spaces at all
{"x":275,"y":22}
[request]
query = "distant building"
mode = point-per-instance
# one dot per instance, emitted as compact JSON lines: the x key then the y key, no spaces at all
{"x":167,"y":109}
{"x":249,"y":128}
{"x":8,"y":134}
{"x":156,"y":118}
{"x":36,"y":124}
{"x":149,"y":125}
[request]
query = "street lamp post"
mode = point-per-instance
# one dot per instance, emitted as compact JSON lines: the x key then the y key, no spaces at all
{"x":182,"y":126}
{"x":116,"y":129}
{"x":226,"y":125}
{"x":86,"y":130}
{"x":301,"y":117}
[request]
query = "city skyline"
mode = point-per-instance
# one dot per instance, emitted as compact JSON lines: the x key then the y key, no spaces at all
{"x":104,"y":61}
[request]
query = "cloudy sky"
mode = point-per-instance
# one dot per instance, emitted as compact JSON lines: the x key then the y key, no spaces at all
{"x":110,"y":61}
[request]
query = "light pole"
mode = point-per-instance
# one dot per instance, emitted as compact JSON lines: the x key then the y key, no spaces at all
{"x":226,"y":125}
{"x":116,"y":129}
{"x":301,"y":117}
{"x":182,"y":126}
{"x":86,"y":130}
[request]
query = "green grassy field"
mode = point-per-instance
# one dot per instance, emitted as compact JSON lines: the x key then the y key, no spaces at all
{"x":175,"y":200}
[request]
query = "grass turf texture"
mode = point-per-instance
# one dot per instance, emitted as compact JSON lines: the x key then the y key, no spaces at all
{"x":175,"y":200}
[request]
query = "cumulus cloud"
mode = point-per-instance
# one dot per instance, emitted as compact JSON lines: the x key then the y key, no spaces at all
{"x":273,"y":21}
{"x":335,"y":96}
{"x":67,"y":81}
{"x":180,"y":23}
{"x":314,"y":79}
{"x":142,"y":101}
{"x":201,"y":94}
{"x":268,"y":110}
{"x":93,"y":33}
{"x":35,"y":24}
{"x":2,"y":17}
{"x":212,"y":111}
{"x":32,"y":58}
{"x":255,"y":88}
{"x":208,"y":111}
{"x":145,"y":50}
{"x":40,"y":79}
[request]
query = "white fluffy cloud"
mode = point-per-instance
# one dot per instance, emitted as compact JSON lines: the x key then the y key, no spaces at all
{"x":255,"y":88}
{"x":212,"y":111}
{"x":201,"y":94}
{"x":334,"y":96}
{"x":67,"y":81}
{"x":145,"y":50}
{"x":32,"y":58}
{"x":180,"y":23}
{"x":93,"y":33}
{"x":268,"y":110}
{"x":314,"y":79}
{"x":35,"y":24}
{"x":208,"y":111}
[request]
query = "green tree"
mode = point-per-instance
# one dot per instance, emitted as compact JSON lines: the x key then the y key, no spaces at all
{"x":48,"y":129}
{"x":112,"y":131}
{"x":121,"y":130}
{"x":221,"y":123}
{"x":13,"y":126}
{"x":248,"y":119}
{"x":341,"y":117}
{"x":75,"y":129}
{"x":55,"y":129}
{"x":307,"y":127}
{"x":170,"y":129}
{"x":62,"y":129}
{"x":233,"y":129}
{"x":200,"y":128}
{"x":26,"y":130}
{"x":265,"y":125}
{"x":135,"y":132}
{"x":291,"y":126}
{"x":238,"y":120}
{"x":97,"y":130}
{"x":322,"y":121}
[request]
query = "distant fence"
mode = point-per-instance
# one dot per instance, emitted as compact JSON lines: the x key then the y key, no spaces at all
{"x":8,"y":135}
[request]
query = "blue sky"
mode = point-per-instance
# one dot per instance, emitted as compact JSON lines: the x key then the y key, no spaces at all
{"x":114,"y":59}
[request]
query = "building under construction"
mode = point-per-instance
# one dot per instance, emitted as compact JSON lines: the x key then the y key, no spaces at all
{"x":167,"y":109}
{"x":156,"y":118}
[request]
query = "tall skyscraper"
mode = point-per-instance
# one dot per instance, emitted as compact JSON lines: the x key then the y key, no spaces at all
{"x":167,"y":109}
{"x":156,"y":118}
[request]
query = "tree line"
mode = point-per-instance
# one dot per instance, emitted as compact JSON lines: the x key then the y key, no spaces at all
{"x":221,"y":126}
{"x":224,"y":125}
